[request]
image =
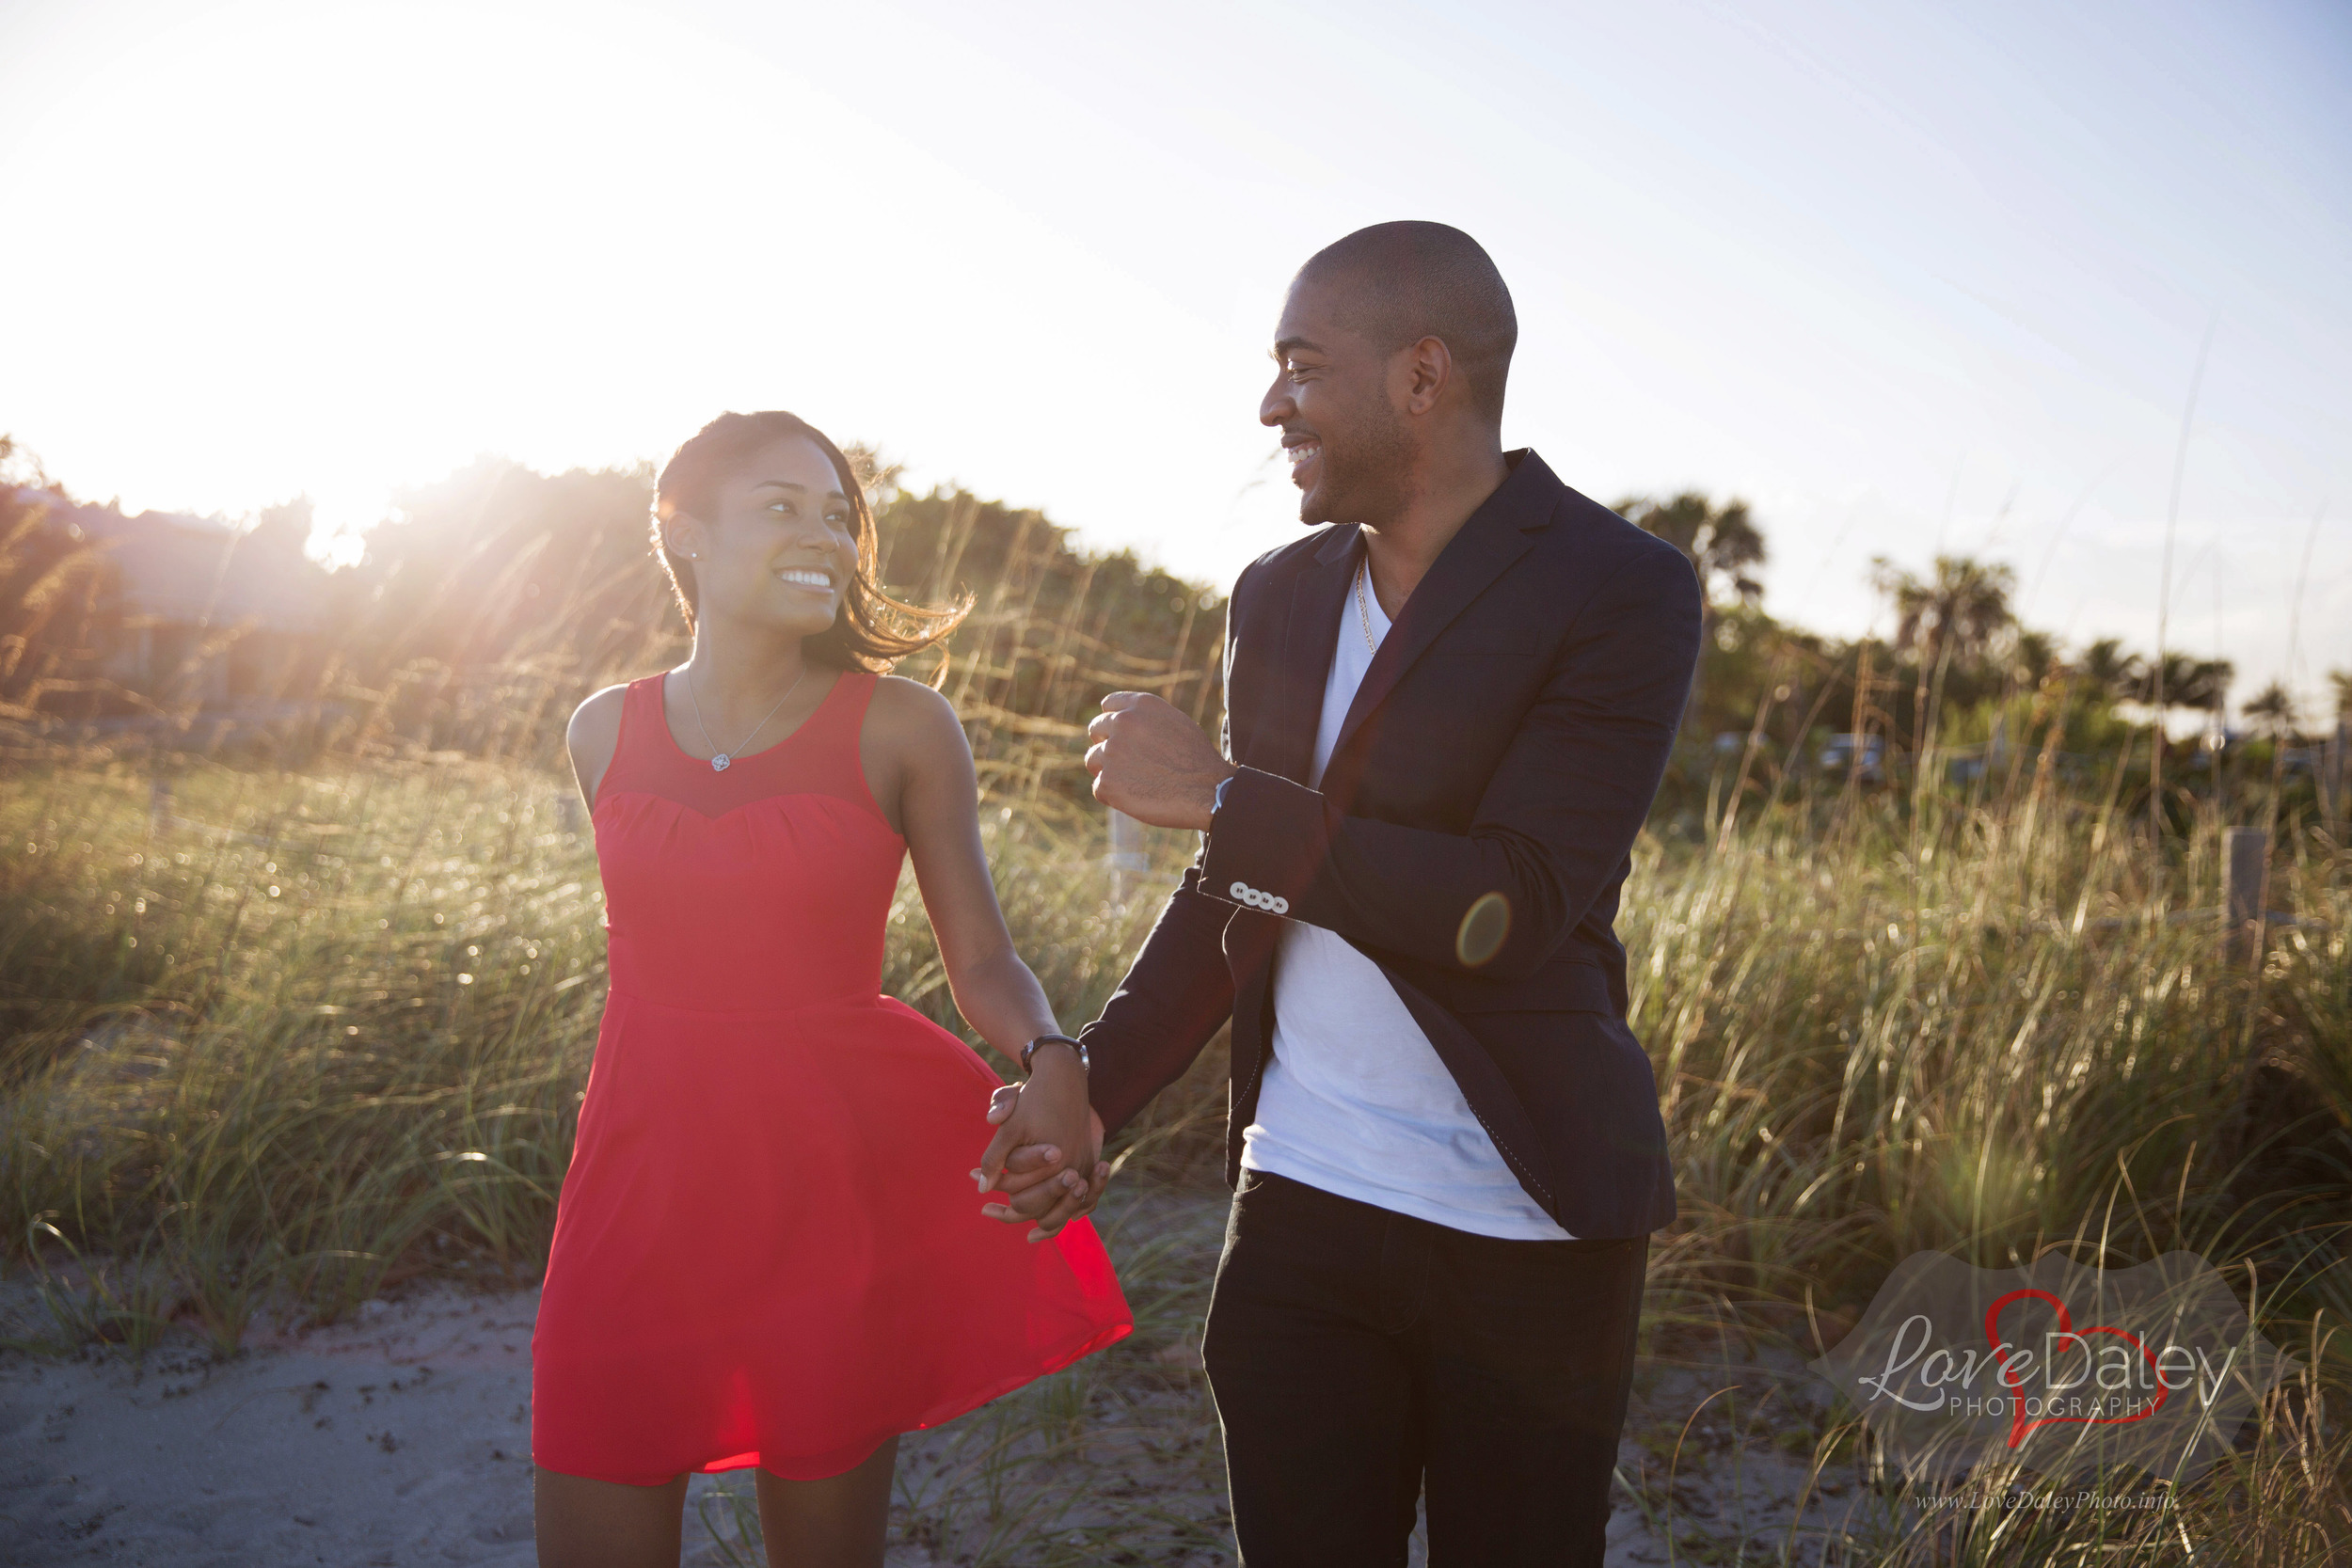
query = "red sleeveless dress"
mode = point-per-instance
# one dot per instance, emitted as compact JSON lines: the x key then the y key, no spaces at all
{"x":767,"y":1251}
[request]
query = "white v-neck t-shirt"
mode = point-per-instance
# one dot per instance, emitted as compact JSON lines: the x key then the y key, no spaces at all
{"x":1354,"y":1099}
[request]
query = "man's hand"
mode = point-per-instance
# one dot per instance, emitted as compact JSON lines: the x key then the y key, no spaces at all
{"x":1152,"y":762}
{"x":1047,"y":1150}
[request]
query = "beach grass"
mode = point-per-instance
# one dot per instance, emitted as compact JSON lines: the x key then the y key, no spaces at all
{"x":278,"y":1034}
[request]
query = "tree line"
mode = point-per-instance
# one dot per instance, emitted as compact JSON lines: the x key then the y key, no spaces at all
{"x":490,"y":600}
{"x":1957,"y":656}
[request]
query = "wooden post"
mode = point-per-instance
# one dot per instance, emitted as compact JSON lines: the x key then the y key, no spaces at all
{"x":2335,"y":777}
{"x":1127,"y":858}
{"x":2249,"y":860}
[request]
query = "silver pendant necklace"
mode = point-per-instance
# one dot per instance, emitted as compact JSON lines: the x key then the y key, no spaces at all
{"x":720,"y":759}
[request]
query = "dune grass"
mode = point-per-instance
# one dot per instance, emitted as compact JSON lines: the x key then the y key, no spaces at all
{"x":275,"y":1035}
{"x":332,"y":1029}
{"x":1995,"y":1030}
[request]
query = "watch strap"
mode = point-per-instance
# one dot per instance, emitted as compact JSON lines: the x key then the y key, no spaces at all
{"x":1075,"y":1044}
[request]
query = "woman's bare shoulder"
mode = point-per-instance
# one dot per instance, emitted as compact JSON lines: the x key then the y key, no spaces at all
{"x":594,"y":734}
{"x":597,"y":718}
{"x":913,"y":705}
{"x":915,"y":723}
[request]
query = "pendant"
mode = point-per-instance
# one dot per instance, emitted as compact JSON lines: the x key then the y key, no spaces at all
{"x":719,"y":763}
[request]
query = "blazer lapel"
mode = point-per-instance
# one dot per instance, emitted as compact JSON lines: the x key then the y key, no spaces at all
{"x":1317,"y":594}
{"x":1474,"y":557}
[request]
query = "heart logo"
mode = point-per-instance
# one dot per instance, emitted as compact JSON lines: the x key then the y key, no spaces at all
{"x":2018,"y":1425}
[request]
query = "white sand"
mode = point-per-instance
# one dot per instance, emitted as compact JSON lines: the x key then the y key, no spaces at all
{"x":403,"y":1438}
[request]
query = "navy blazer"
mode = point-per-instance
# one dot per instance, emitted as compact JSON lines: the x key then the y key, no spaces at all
{"x":1475,"y":825}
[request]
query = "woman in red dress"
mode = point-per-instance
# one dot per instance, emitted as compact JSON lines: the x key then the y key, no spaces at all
{"x":767,"y":1249}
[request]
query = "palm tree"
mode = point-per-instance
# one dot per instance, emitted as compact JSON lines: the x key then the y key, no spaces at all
{"x":2275,"y":708}
{"x":2127,"y":677}
{"x":2108,"y":667}
{"x":1721,"y":543}
{"x":1950,"y":618}
{"x":2035,"y":655}
{"x":2193,"y":683}
{"x":1954,"y":614}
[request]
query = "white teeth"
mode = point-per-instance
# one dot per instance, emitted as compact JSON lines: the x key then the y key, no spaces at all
{"x":1300,"y":454}
{"x":805,"y":578}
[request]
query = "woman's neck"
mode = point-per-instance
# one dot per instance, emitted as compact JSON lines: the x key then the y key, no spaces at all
{"x":742,"y":669}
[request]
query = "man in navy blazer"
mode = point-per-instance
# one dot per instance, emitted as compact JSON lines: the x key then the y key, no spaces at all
{"x":1447,"y":712}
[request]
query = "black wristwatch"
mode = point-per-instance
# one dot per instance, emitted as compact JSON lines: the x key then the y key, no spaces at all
{"x":1079,"y":1046}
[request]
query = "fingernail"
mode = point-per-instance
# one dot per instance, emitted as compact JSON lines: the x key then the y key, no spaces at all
{"x":1049,"y":1151}
{"x":982,"y":1177}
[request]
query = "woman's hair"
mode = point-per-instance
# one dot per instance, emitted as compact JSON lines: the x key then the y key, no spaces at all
{"x":871,"y":630}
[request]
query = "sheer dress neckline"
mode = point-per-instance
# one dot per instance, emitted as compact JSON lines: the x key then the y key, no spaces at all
{"x":739,"y":759}
{"x":819,"y":758}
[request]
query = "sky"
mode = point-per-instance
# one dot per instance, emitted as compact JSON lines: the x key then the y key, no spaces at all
{"x":1908,"y":278}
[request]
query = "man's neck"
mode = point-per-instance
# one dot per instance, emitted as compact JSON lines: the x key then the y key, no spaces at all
{"x":1446,"y":490}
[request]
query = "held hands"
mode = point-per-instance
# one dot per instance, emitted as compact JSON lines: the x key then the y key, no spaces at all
{"x":1149,"y":760}
{"x":1046,"y":1155}
{"x":1152,"y":762}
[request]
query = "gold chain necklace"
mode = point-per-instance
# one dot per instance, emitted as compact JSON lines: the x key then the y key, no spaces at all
{"x":1363,"y":617}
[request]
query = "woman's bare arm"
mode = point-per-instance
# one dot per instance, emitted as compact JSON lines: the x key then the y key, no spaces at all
{"x":938,"y":799}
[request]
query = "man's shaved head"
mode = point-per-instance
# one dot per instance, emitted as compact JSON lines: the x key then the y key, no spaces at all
{"x":1396,"y":283}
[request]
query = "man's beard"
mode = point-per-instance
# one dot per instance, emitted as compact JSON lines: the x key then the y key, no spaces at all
{"x":1366,"y":479}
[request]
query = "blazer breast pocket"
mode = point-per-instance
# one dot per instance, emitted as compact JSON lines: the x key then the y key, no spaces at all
{"x":1503,"y":641}
{"x":1562,"y":986}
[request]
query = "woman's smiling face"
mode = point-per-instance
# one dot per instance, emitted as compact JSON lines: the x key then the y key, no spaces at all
{"x":781,"y":542}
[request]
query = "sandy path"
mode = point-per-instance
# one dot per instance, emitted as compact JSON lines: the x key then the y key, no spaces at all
{"x":403,"y":1438}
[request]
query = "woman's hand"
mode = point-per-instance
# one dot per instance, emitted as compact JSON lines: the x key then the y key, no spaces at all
{"x":1046,"y":1155}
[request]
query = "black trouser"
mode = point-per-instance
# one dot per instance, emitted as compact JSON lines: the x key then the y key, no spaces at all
{"x":1353,"y":1350}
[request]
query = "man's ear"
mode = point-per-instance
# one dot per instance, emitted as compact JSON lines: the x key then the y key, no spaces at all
{"x":1428,"y":370}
